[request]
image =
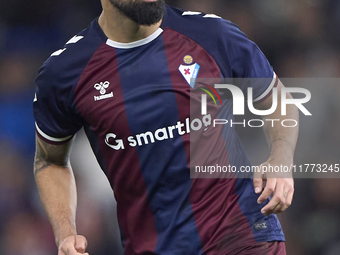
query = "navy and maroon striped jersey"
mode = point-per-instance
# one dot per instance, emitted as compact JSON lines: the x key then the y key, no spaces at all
{"x":133,"y":100}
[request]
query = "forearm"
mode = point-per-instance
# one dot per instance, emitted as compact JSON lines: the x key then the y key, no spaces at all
{"x":57,"y":191}
{"x":282,"y":139}
{"x":56,"y":185}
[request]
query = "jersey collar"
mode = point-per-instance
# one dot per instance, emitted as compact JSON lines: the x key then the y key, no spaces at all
{"x":135,"y":44}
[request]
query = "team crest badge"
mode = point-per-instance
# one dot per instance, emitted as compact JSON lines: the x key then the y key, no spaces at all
{"x":189,"y":72}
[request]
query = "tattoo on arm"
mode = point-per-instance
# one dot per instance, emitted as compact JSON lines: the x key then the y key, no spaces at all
{"x":49,"y":154}
{"x":40,"y":161}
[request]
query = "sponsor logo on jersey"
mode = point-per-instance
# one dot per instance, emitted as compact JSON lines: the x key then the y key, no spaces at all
{"x":161,"y":134}
{"x":101,"y":87}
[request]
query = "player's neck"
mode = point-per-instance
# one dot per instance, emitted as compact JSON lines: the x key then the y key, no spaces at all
{"x":119,"y":28}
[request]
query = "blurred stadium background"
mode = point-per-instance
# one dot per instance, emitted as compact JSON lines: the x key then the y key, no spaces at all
{"x":300,"y":38}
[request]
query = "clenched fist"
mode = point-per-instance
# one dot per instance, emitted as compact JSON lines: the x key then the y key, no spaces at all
{"x":73,"y":245}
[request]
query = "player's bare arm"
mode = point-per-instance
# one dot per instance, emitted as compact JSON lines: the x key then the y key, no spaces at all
{"x":282,"y":142}
{"x":57,"y":189}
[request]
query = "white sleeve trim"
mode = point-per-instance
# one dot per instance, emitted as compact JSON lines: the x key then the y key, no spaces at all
{"x":270,"y":87}
{"x":50,"y":138}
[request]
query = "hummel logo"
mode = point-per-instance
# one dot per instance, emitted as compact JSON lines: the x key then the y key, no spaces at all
{"x":102,"y":86}
{"x":260,"y":225}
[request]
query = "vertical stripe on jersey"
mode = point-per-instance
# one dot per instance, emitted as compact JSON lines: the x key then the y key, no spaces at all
{"x":151,"y":104}
{"x":209,"y":197}
{"x":134,"y":213}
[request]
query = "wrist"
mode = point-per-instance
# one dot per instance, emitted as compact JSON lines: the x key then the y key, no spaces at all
{"x":62,"y":235}
{"x":282,"y":148}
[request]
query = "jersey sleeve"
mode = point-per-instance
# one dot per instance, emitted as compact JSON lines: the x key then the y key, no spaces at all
{"x":249,"y":66}
{"x":54,"y":106}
